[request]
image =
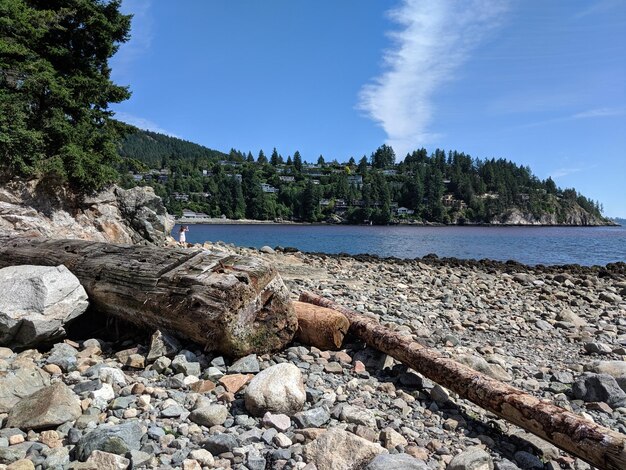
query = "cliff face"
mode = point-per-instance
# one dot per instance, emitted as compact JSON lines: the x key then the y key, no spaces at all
{"x":114,"y":215}
{"x":573,"y":215}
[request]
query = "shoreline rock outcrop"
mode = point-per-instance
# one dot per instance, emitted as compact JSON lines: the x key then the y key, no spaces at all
{"x":115,"y":215}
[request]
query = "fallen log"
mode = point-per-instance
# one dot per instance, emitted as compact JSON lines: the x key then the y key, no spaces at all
{"x":597,"y":445}
{"x":320,"y":327}
{"x":228,"y":303}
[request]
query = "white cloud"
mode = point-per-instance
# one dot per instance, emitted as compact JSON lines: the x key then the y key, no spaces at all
{"x":142,"y":123}
{"x":433,"y":40}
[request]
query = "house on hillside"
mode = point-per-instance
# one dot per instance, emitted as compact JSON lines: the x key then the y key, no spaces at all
{"x":404,"y":211}
{"x":287,"y":179}
{"x":188,"y":214}
{"x":355,"y":180}
{"x":268,"y":188}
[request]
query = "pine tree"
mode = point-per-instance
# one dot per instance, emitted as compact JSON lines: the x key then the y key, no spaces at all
{"x":55,"y":89}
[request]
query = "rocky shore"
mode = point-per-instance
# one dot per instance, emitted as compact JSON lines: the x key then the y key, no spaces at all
{"x":143,"y":401}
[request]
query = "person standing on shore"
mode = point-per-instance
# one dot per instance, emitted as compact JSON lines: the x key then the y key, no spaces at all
{"x":181,"y":233}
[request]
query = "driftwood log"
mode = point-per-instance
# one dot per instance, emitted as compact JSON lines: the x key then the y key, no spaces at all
{"x":320,"y":327}
{"x":597,"y":445}
{"x":228,"y":303}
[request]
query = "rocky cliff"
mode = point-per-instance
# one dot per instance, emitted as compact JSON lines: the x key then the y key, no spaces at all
{"x":115,"y":215}
{"x":574,"y":215}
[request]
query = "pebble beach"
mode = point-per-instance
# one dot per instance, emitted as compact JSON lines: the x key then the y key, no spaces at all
{"x":558,"y":333}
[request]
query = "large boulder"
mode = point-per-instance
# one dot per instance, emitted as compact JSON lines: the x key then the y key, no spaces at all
{"x":46,"y":408}
{"x":36,"y":304}
{"x":21,"y":383}
{"x":277,"y":389}
{"x":337,"y":449}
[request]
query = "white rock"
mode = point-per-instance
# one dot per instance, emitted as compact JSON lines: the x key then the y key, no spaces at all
{"x":100,"y":398}
{"x":111,"y":375}
{"x":37,"y":302}
{"x":278,"y":389}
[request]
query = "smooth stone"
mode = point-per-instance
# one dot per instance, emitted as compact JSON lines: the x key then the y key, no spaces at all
{"x":246,"y":365}
{"x":211,"y":415}
{"x":396,"y":462}
{"x":473,"y":458}
{"x":278,"y":389}
{"x":348,"y":451}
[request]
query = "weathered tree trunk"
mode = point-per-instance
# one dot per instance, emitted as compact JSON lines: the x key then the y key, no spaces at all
{"x":232,"y":304}
{"x":591,"y":442}
{"x":320,"y":327}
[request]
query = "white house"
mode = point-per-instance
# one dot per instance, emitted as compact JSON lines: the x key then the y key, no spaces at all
{"x":268,"y":188}
{"x":404,"y":211}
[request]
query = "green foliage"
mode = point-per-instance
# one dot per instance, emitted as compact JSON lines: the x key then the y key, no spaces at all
{"x":161,"y":151}
{"x":55,"y":89}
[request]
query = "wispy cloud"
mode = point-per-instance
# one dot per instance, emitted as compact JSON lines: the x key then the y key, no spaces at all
{"x":433,"y":39}
{"x":599,"y":112}
{"x":588,"y":114}
{"x":141,"y":35}
{"x":142,"y":123}
{"x":562,"y":172}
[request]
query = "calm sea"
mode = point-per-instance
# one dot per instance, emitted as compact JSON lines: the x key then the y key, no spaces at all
{"x":528,"y":245}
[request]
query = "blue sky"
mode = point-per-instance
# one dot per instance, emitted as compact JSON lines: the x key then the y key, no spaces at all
{"x":542,"y":83}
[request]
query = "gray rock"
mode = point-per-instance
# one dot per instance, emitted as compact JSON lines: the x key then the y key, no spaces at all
{"x":37,"y":302}
{"x":161,"y":364}
{"x":312,"y":418}
{"x":527,"y":461}
{"x":144,"y":212}
{"x":481,"y":365}
{"x":220,"y":443}
{"x":246,"y":365}
{"x":10,"y":454}
{"x":592,"y":387}
{"x":598,"y":348}
{"x":162,"y":344}
{"x":616,"y":369}
{"x":19,"y":384}
{"x":64,"y":356}
{"x":45,"y":408}
{"x":278,"y":389}
{"x":181,"y":365}
{"x":117,"y":439}
{"x":358,"y":415}
{"x":505,"y":464}
{"x":396,"y":462}
{"x":348,"y":451}
{"x":267,"y":249}
{"x":211,"y":415}
{"x":473,"y":458}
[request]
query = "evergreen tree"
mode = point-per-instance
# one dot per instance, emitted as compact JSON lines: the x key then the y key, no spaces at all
{"x":275,"y":158}
{"x":250,"y":158}
{"x":55,"y":89}
{"x":261,"y":159}
{"x":297,"y":161}
{"x":320,"y":161}
{"x":383,"y":157}
{"x":362,"y":168}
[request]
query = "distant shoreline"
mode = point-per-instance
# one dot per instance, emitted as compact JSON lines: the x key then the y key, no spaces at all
{"x":220,"y":221}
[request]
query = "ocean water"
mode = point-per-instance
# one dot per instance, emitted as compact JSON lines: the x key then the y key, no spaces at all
{"x":528,"y":245}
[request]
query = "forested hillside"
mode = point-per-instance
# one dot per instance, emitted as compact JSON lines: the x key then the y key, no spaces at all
{"x":440,"y":187}
{"x":156,"y":150}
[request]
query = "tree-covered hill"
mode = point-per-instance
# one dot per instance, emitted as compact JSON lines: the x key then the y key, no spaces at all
{"x":441,"y":187}
{"x":156,"y":150}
